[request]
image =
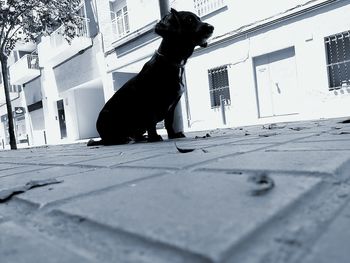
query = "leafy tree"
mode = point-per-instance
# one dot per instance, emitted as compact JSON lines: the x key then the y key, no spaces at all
{"x":25,"y":21}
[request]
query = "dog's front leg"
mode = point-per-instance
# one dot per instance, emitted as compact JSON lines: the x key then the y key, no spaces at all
{"x":169,"y":122}
{"x":153,"y":136}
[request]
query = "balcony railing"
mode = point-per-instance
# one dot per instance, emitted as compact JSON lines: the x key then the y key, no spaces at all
{"x":24,"y":70}
{"x":205,"y":7}
{"x":57,"y":38}
{"x":55,"y":48}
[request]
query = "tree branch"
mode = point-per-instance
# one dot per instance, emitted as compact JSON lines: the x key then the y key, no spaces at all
{"x":6,"y":37}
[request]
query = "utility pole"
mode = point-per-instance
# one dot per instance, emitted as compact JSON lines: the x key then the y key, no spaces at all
{"x":164,"y":7}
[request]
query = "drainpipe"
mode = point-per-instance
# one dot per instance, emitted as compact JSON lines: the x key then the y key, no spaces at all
{"x":222,"y":108}
{"x":164,"y":7}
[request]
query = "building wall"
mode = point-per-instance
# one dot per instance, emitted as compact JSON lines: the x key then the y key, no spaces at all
{"x":79,"y":69}
{"x":35,"y":112}
{"x":71,"y":68}
{"x":79,"y":84}
{"x":32,"y":91}
{"x":306,"y":35}
{"x":303,"y":33}
{"x":142,"y":12}
{"x":87,"y":115}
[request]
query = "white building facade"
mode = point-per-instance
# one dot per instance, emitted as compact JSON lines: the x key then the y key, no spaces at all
{"x":71,"y":82}
{"x":61,"y":83}
{"x":268,"y":61}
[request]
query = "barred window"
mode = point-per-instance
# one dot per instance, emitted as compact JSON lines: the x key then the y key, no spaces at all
{"x":338,"y":60}
{"x":219,"y":86}
{"x":204,"y":7}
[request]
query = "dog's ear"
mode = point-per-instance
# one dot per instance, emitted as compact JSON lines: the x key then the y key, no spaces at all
{"x":175,"y":14}
{"x":169,"y":24}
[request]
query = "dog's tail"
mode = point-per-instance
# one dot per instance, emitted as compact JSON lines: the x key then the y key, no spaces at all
{"x":92,"y":142}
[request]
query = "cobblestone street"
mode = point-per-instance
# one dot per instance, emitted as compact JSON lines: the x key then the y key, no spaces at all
{"x":272,"y":193}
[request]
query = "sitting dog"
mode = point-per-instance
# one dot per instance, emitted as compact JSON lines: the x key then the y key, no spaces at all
{"x":152,"y":95}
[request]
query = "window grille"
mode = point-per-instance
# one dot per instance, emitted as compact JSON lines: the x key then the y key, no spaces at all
{"x":338,"y":60}
{"x":204,"y":7}
{"x":120,"y":22}
{"x":219,"y":86}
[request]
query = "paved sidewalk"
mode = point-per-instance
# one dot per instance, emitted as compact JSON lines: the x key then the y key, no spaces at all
{"x":273,"y":193}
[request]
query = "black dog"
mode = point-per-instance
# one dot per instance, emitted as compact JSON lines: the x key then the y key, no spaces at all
{"x":152,"y":95}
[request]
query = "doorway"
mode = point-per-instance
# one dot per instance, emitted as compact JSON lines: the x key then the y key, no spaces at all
{"x":62,"y":119}
{"x":276,"y":83}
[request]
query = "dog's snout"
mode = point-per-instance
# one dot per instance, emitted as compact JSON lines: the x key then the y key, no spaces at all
{"x":210,"y":28}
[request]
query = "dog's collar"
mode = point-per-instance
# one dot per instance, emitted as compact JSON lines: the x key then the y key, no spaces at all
{"x":164,"y":57}
{"x":180,"y":66}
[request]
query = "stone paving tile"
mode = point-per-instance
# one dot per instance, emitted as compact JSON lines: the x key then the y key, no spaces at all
{"x":333,"y":246}
{"x":25,"y":176}
{"x":211,"y":141}
{"x":47,"y":157}
{"x":275,"y":137}
{"x":121,"y":157}
{"x":206,"y":213}
{"x":83,"y":183}
{"x":60,"y":159}
{"x":6,"y":167}
{"x":19,"y":169}
{"x":21,"y":246}
{"x":313,"y":146}
{"x":333,"y":136}
{"x":296,"y":161}
{"x":177,"y":160}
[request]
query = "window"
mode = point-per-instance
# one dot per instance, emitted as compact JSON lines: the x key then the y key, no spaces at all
{"x":120,"y":19}
{"x":219,"y":86}
{"x":204,"y":7}
{"x":338,"y":60}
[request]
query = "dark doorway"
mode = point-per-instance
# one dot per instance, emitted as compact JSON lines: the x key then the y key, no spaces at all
{"x":62,"y":118}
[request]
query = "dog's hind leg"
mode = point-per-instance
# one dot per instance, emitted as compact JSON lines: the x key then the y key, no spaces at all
{"x":139,"y":135}
{"x":153,"y":135}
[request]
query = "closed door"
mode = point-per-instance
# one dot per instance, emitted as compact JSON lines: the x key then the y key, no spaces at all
{"x":62,"y":119}
{"x":276,"y":83}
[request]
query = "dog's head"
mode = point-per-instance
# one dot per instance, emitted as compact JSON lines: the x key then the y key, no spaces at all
{"x":185,"y":26}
